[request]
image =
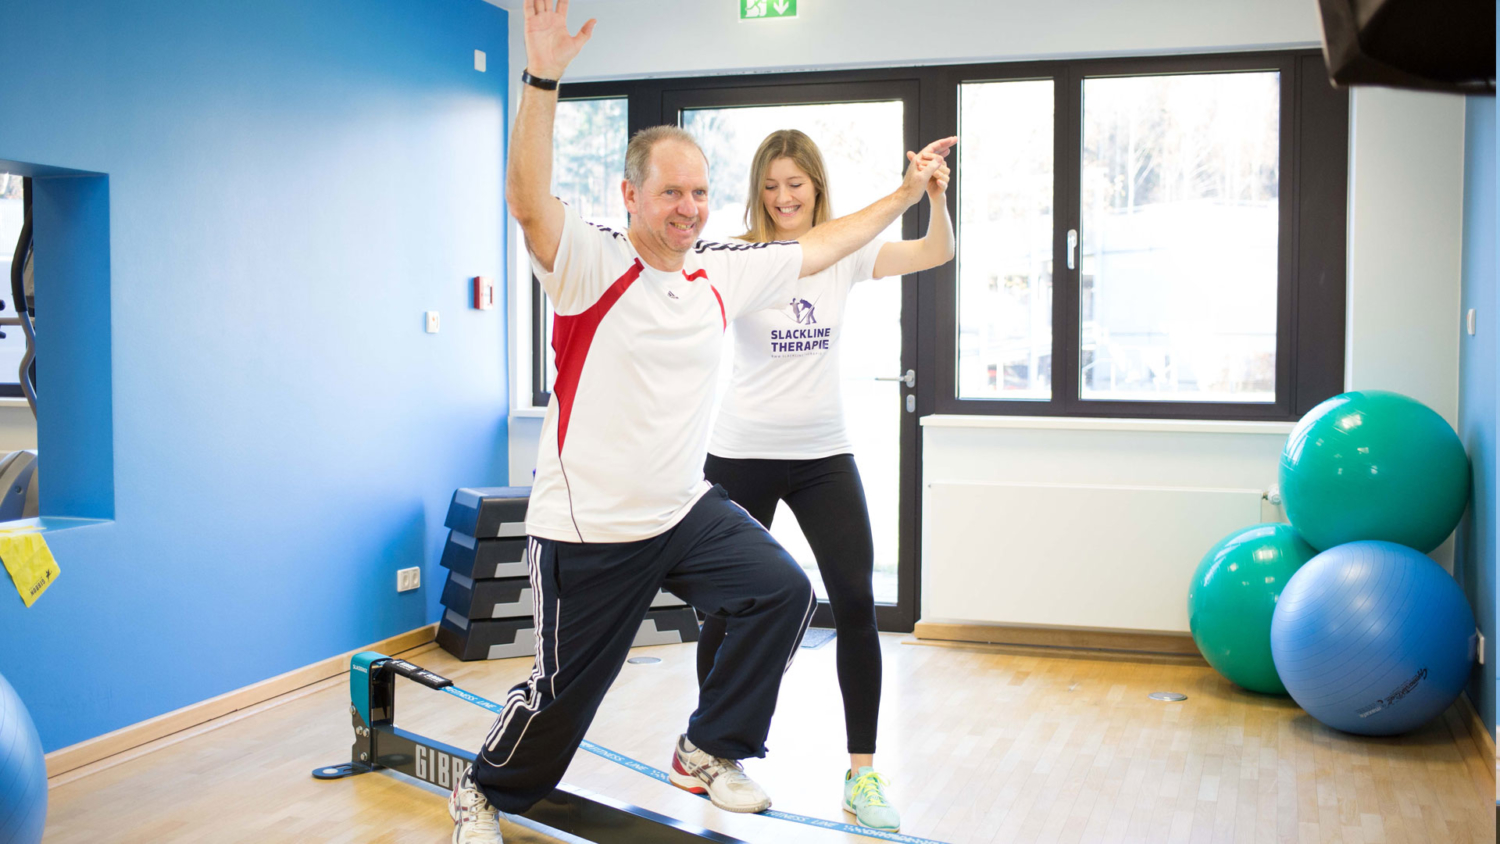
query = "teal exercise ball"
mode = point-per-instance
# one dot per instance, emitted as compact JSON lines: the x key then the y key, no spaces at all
{"x":1233,"y":597}
{"x":1374,"y":465}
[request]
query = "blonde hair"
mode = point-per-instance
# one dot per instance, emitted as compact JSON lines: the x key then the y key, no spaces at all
{"x":797,"y":146}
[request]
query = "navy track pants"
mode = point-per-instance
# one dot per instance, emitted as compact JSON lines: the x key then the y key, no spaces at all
{"x":588,"y":602}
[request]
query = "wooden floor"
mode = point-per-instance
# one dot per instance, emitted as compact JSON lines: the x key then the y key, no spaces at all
{"x":983,"y":744}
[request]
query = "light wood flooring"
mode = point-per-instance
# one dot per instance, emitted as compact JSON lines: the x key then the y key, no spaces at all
{"x":983,"y":744}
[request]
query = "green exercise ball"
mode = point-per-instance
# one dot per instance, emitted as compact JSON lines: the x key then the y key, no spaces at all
{"x":1374,"y":465}
{"x":1233,"y":597}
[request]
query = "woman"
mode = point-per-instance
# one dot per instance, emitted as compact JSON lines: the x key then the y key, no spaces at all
{"x":780,"y":433}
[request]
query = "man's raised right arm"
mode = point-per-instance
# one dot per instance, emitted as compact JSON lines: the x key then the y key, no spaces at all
{"x":528,"y":180}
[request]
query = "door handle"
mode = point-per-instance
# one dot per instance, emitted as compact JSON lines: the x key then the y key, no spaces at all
{"x":1072,"y":248}
{"x":910,"y":378}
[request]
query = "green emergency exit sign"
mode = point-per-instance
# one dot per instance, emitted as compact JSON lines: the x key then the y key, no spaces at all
{"x":756,"y":9}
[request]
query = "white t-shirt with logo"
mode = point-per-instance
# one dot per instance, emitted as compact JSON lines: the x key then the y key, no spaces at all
{"x":637,"y":352}
{"x":784,"y":401}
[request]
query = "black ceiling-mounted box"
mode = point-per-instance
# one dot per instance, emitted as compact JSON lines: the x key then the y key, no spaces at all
{"x":1431,"y":45}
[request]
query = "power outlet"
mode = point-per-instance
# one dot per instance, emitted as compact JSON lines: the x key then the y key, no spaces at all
{"x":408,"y":579}
{"x":432,"y":322}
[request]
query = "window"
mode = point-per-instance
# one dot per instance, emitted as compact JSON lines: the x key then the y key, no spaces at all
{"x":1146,"y":238}
{"x":588,"y":162}
{"x":863,"y":151}
{"x":1143,"y":237}
{"x":1005,"y":249}
{"x":1180,"y":183}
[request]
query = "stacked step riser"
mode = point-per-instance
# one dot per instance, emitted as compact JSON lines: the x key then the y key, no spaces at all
{"x":487,"y":599}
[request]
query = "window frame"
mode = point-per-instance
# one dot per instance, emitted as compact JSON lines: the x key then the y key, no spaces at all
{"x":1311,"y":242}
{"x":1312,"y":260}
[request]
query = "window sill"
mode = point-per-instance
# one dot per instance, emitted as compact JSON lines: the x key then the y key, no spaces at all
{"x":14,"y":401}
{"x":528,"y":412}
{"x":1061,"y":423}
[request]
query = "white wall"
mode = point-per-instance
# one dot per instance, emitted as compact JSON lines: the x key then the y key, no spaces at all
{"x":17,"y":425}
{"x":1406,"y":190}
{"x":637,"y":38}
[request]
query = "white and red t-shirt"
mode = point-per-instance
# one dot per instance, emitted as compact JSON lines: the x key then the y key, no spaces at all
{"x":784,"y":400}
{"x":637,"y":352}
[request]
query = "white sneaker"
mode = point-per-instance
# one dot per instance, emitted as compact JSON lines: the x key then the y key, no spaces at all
{"x":723,"y":780}
{"x":475,"y":821}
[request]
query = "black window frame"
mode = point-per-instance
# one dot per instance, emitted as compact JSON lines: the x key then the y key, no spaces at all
{"x":1311,"y":242}
{"x":1312,"y":256}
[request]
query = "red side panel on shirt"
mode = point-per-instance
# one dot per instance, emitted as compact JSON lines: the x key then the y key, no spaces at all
{"x":722,"y":315}
{"x":571,"y":338}
{"x":702,"y":273}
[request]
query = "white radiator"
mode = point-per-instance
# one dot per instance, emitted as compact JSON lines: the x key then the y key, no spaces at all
{"x":1083,"y":523}
{"x":1073,"y":556}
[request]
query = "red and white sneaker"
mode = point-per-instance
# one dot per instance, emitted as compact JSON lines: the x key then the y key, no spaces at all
{"x":475,"y":821}
{"x":723,"y":780}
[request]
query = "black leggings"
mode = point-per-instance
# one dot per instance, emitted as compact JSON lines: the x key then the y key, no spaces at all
{"x":828,"y":500}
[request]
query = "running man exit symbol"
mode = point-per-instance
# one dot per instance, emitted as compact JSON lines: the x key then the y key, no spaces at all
{"x":767,"y":9}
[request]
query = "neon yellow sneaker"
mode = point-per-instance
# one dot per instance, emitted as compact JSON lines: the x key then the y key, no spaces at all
{"x":864,"y":798}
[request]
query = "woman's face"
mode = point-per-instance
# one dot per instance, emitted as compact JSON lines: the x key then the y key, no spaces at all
{"x":789,"y":196}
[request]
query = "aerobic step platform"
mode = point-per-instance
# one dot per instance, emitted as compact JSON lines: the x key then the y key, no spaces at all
{"x":507,"y":598}
{"x":495,"y":512}
{"x":501,"y":638}
{"x":484,"y":559}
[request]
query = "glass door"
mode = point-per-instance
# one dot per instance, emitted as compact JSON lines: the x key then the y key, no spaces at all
{"x":863,"y":131}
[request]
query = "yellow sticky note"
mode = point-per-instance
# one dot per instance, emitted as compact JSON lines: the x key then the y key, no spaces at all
{"x":29,"y":562}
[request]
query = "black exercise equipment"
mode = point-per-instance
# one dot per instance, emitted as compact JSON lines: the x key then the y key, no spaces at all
{"x":379,"y":743}
{"x":22,"y":291}
{"x":18,"y":493}
{"x":487,"y":612}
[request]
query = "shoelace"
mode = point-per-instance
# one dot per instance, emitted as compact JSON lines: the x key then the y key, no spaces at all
{"x":868,"y":786}
{"x":729,"y":768}
{"x":486,"y":819}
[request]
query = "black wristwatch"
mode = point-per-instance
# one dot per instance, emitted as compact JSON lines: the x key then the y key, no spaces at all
{"x":538,"y":82}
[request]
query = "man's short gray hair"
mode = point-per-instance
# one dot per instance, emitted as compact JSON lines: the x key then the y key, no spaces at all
{"x":638,"y":154}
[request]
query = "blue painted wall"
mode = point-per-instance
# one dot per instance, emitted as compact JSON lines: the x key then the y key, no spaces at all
{"x":286,"y":186}
{"x":1474,"y":554}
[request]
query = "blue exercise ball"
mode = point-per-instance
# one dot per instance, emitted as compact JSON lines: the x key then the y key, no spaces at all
{"x":23,"y":772}
{"x":1372,"y":638}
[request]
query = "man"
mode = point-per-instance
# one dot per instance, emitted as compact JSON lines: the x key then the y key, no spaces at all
{"x":620,"y":508}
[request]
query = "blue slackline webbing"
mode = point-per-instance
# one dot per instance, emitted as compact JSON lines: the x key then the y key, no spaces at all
{"x":661,"y":776}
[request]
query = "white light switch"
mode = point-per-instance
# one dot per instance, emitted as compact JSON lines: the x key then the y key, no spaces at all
{"x":432,"y":322}
{"x":1471,"y":322}
{"x":479,"y":60}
